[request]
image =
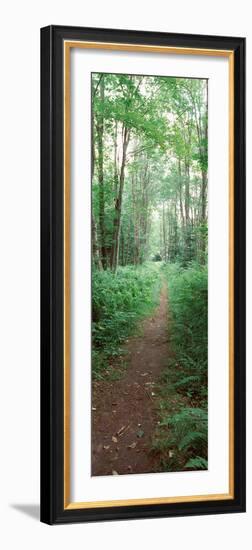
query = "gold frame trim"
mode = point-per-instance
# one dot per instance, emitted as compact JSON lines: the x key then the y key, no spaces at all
{"x":68,"y":505}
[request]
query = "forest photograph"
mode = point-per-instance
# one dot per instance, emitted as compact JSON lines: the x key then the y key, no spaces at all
{"x":149,"y":274}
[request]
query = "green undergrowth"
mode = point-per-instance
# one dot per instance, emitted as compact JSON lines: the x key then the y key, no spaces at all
{"x":182,"y":436}
{"x":119,"y":302}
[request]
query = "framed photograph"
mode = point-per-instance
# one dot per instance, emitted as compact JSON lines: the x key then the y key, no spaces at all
{"x":142,"y":274}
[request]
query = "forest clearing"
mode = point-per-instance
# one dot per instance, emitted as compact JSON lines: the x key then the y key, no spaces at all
{"x":149,"y":274}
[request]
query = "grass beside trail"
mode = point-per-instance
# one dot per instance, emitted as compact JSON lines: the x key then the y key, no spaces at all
{"x":182,"y":436}
{"x":119,"y":301}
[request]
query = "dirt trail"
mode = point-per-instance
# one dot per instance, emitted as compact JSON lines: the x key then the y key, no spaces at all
{"x":124,"y":415}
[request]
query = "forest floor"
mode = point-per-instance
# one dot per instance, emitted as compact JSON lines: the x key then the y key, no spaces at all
{"x":125,"y":410}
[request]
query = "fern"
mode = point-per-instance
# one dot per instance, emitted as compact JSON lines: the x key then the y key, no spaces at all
{"x":188,"y":306}
{"x":118,"y":302}
{"x":197,"y":463}
{"x":188,"y":431}
{"x":188,"y":415}
{"x":184,"y":433}
{"x":187,"y":381}
{"x":194,"y":440}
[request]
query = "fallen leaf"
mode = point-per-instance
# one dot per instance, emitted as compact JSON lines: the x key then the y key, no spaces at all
{"x":133,"y":445}
{"x":121,"y":430}
{"x":145,"y":374}
{"x":106,"y":447}
{"x":93,"y":408}
{"x":114,"y":439}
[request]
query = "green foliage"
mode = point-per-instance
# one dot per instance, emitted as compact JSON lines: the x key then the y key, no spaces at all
{"x":149,"y":201}
{"x":188,"y":301}
{"x":189,"y":429}
{"x":162,"y":208}
{"x":119,"y":301}
{"x":197,"y":463}
{"x":185,"y":380}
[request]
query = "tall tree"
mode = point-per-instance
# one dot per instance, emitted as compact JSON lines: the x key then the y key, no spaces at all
{"x":149,"y":169}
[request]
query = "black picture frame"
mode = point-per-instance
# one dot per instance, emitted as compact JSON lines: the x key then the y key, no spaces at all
{"x":52,"y":296}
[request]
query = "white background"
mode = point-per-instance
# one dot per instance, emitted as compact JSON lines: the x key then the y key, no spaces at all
{"x":19,"y":300}
{"x":215,"y":480}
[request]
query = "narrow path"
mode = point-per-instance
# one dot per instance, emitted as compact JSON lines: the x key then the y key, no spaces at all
{"x":124,"y":412}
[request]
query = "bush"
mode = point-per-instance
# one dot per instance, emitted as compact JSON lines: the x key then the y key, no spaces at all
{"x":189,"y":434}
{"x":188,"y":303}
{"x":186,"y":376}
{"x":118,"y":302}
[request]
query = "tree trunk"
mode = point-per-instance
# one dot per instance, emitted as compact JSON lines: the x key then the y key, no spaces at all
{"x":180,"y":193}
{"x":204,"y":172}
{"x":100,"y":132}
{"x":164,"y":234}
{"x":95,"y":246}
{"x":118,"y":204}
{"x":203,"y":238}
{"x":115,"y":161}
{"x":187,"y":192}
